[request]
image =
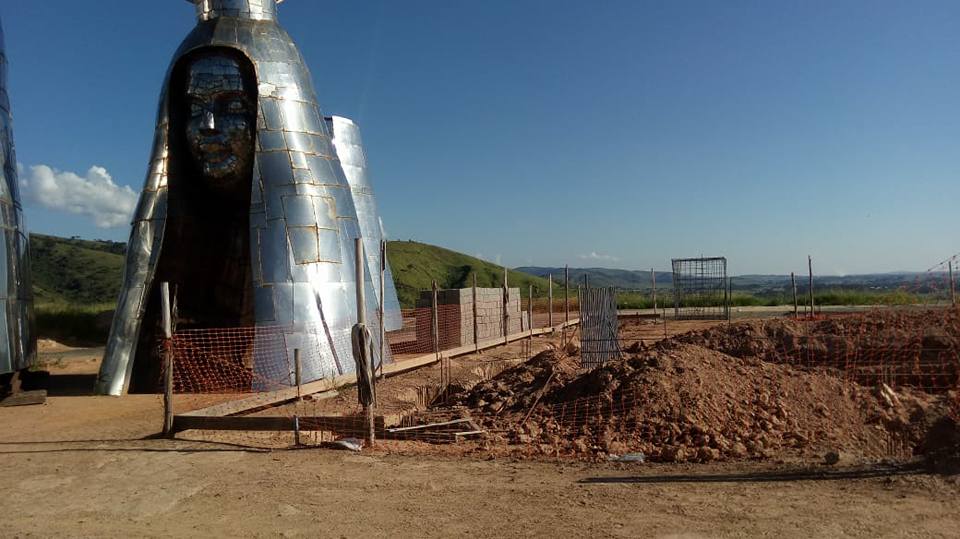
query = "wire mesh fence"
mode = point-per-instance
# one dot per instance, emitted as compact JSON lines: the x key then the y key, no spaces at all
{"x":881,"y":368}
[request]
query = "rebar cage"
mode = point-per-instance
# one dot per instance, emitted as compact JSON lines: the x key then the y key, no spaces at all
{"x":599,"y":331}
{"x":701,"y":289}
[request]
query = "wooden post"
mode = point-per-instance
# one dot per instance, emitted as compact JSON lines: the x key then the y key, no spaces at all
{"x":506,"y":308}
{"x":550,"y":300}
{"x":358,"y":266}
{"x":653,"y":279}
{"x":796,"y":308}
{"x":167,"y":360}
{"x":383,"y":327}
{"x":435,"y":318}
{"x":953,"y":287}
{"x":810,"y":268}
{"x":476,"y":329}
{"x":530,"y":310}
{"x":298,"y":379}
{"x":362,"y":319}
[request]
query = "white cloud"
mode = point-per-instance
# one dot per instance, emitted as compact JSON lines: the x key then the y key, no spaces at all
{"x":93,"y":195}
{"x":595,"y":256}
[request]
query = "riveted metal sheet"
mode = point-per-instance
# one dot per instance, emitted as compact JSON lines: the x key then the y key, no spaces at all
{"x":302,"y":275}
{"x":349,"y":148}
{"x":18,"y":347}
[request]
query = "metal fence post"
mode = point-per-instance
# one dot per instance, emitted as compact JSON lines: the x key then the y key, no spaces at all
{"x":550,"y":300}
{"x":653,"y":280}
{"x":793,"y":284}
{"x":167,"y":360}
{"x":566,"y":294}
{"x":810,"y":268}
{"x":953,"y":287}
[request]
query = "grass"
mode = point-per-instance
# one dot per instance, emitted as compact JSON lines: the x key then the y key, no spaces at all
{"x":416,"y":265}
{"x":831,"y":296}
{"x":74,"y":324}
{"x":75,"y":271}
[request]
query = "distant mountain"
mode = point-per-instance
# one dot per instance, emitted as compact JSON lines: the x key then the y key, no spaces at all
{"x":603,"y":277}
{"x":640,"y":280}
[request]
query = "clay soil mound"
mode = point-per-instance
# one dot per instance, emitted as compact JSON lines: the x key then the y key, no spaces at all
{"x":681,"y":402}
{"x":917,"y":348}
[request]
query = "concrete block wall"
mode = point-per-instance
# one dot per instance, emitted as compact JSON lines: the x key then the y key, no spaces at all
{"x":455,"y":315}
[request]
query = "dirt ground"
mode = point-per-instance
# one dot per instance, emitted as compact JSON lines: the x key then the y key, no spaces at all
{"x":86,"y":466}
{"x":79,"y":466}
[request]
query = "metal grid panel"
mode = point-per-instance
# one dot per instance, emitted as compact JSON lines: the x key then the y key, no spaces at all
{"x":599,"y":332}
{"x":701,"y":290}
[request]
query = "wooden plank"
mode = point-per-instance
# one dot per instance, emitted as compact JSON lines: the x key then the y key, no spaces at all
{"x":430,"y":425}
{"x":342,"y":424}
{"x":280,"y":396}
{"x":25,"y":398}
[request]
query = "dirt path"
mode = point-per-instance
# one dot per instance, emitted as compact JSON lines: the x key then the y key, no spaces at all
{"x":78,"y":467}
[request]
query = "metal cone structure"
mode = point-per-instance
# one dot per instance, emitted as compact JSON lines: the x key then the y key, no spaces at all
{"x":18,"y":342}
{"x":246,"y":210}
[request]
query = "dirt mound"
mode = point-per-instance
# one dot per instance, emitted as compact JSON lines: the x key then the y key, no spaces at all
{"x":517,"y":388}
{"x":679,"y":402}
{"x":918,"y":348}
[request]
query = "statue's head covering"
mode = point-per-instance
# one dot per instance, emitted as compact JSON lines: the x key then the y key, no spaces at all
{"x":18,"y":345}
{"x":298,"y":222}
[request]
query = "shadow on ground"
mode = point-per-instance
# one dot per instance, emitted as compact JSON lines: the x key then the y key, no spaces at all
{"x":806,"y":474}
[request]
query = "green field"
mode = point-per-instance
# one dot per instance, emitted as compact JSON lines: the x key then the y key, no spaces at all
{"x":76,"y":283}
{"x":830,"y":296}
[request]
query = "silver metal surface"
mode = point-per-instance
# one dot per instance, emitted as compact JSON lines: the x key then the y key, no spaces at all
{"x":353,"y":159}
{"x":18,"y":342}
{"x":302,"y":218}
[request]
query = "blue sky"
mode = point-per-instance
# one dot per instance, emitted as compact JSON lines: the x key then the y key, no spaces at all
{"x":614,"y":133}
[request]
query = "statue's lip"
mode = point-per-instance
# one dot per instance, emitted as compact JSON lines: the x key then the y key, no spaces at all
{"x":214,"y":152}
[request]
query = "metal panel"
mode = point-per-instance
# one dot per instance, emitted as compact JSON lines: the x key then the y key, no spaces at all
{"x":297,"y":175}
{"x":349,"y":147}
{"x":18,"y":345}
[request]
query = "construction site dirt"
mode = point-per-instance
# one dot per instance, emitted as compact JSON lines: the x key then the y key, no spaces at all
{"x":738,"y":437}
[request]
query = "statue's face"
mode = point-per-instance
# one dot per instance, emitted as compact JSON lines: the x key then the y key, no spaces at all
{"x":221,"y":123}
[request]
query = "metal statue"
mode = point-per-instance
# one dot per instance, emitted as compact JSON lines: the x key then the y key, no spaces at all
{"x":246,"y":209}
{"x":353,"y":159}
{"x":18,"y":342}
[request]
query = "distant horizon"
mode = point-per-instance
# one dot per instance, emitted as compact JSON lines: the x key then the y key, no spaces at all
{"x":572,"y":267}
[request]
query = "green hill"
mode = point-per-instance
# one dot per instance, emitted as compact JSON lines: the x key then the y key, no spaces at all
{"x":84,"y":272}
{"x":71,"y":270}
{"x":416,"y":265}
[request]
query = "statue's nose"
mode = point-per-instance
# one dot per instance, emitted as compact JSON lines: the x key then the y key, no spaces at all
{"x":209,"y":124}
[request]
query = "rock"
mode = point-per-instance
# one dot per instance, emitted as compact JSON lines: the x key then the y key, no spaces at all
{"x":831,"y":458}
{"x":580,"y":446}
{"x":707,"y":454}
{"x":738,"y":450}
{"x":616,"y":448}
{"x":674,"y":454}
